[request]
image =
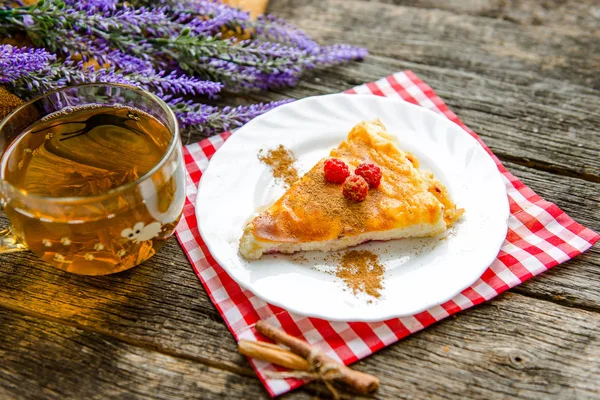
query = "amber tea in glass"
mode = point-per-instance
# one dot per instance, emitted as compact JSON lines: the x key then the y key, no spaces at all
{"x":94,"y":184}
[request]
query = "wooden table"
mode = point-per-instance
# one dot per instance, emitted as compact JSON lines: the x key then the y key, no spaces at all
{"x":523,"y":74}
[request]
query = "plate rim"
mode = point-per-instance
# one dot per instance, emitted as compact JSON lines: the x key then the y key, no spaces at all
{"x":390,"y":315}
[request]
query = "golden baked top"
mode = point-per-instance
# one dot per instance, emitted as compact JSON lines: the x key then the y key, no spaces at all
{"x":315,"y":210}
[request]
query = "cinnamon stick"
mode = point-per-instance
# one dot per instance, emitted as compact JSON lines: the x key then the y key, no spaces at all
{"x":359,"y":381}
{"x":273,"y":354}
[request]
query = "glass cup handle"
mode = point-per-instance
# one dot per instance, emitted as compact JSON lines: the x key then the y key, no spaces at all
{"x":9,"y":242}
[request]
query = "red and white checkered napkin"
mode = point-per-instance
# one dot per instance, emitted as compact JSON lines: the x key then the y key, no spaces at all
{"x":540,"y":236}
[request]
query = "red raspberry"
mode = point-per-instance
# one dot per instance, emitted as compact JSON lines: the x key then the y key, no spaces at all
{"x":336,"y":171}
{"x":371,"y":173}
{"x":356,"y":188}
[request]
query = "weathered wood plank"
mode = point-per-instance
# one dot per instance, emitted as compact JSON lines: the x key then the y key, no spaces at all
{"x":524,"y":112}
{"x":544,"y":125}
{"x":524,"y":123}
{"x":564,"y":15}
{"x":159,"y":305}
{"x":46,"y":360}
{"x":521,"y":122}
{"x":441,"y":38}
{"x":512,"y":347}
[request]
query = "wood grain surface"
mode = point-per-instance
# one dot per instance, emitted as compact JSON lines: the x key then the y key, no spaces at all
{"x":521,"y":73}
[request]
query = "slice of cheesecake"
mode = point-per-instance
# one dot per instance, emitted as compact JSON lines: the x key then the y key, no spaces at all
{"x":314,"y":214}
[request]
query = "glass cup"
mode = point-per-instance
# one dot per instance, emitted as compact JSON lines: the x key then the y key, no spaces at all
{"x":101,"y":233}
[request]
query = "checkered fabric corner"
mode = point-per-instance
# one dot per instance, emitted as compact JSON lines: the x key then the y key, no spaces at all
{"x":540,"y":236}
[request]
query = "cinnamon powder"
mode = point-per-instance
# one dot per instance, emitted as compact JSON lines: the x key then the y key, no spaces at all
{"x":361,"y":272}
{"x":281,"y":160}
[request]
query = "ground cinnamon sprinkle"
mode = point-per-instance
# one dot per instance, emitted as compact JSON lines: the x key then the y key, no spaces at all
{"x":281,"y":160}
{"x":361,"y":271}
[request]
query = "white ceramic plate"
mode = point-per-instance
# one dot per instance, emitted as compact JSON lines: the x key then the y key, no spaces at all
{"x":420,"y":273}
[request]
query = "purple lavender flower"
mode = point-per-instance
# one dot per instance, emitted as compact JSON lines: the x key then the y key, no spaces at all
{"x":223,"y":14}
{"x":208,"y":120}
{"x":153,"y":21}
{"x":174,"y":49}
{"x":241,"y":65}
{"x":36,"y":69}
{"x":233,"y":117}
{"x":16,"y":63}
{"x":162,"y":83}
{"x":197,"y":26}
{"x":207,"y":16}
{"x":93,"y":5}
{"x":27,"y":20}
{"x":187,"y":35}
{"x":247,"y":77}
{"x":128,"y":63}
{"x":275,"y":29}
{"x":337,"y":53}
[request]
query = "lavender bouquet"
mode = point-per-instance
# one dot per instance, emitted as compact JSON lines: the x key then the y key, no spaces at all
{"x":197,"y":41}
